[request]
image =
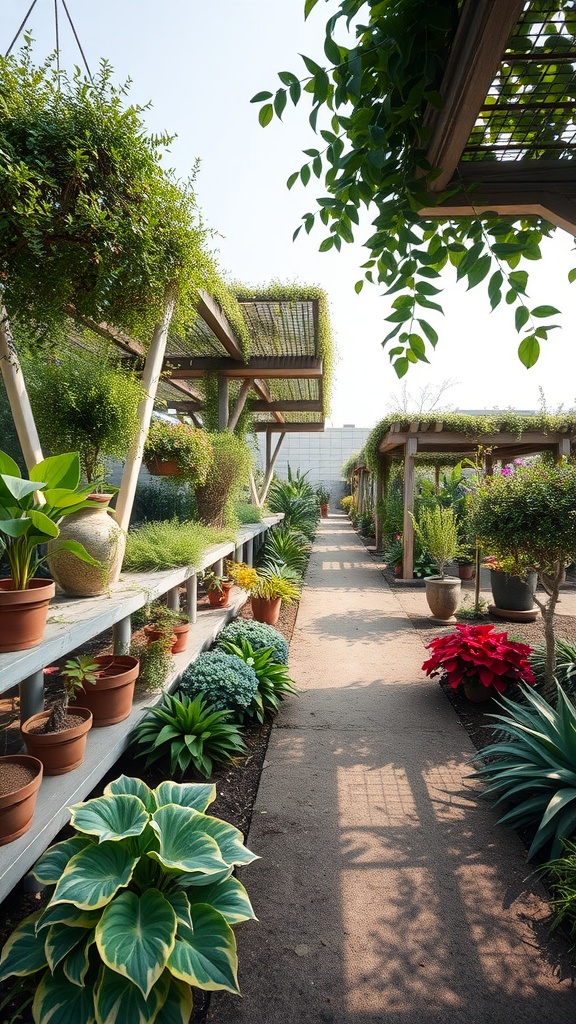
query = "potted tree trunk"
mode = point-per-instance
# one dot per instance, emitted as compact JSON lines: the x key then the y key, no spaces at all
{"x":437,"y":532}
{"x":26,"y":523}
{"x":20,"y":778}
{"x":58,"y":737}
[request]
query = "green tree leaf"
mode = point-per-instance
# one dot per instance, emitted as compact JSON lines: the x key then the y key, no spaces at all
{"x":265,"y":114}
{"x":529,"y":351}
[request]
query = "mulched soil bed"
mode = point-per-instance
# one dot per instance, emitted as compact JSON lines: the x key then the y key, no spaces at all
{"x":236,"y":787}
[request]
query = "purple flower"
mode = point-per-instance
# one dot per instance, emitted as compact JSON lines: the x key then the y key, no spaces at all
{"x":506,"y":471}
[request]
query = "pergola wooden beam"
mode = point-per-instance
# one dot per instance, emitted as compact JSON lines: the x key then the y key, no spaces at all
{"x":264,"y":367}
{"x":288,"y":405}
{"x":481,"y":37}
{"x":452,"y":442}
{"x":289,"y":428}
{"x":217,"y":321}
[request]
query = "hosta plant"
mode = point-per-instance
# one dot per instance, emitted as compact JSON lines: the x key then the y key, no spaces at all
{"x":142,"y":900}
{"x":185,"y":733}
{"x":479,"y":654}
{"x":533,"y":764}
{"x":274,"y":683}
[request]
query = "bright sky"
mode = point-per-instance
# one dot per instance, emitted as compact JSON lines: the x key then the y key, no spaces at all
{"x":199,"y":63}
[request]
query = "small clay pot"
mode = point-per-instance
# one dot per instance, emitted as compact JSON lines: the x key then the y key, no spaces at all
{"x":220,"y":598}
{"x":324,"y":511}
{"x":17,"y":806}
{"x":23,"y":613}
{"x":466,"y":572}
{"x":110,"y":697}
{"x":60,"y":752}
{"x":266,"y":609}
{"x":181,"y":632}
{"x":163,"y":467}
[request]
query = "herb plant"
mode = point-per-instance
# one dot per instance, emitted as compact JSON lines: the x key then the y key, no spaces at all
{"x":141,"y":904}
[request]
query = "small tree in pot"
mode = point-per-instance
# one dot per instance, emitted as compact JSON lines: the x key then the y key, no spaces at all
{"x":528,"y":519}
{"x":437,"y":532}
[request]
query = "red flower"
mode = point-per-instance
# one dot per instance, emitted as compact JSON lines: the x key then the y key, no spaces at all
{"x":478,"y":652}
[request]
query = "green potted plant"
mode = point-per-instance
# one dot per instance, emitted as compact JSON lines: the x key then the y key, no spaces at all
{"x":177,"y":449}
{"x":167,"y":624}
{"x":30,"y":514}
{"x":393,"y":554}
{"x":436,"y":529}
{"x":144,"y":898}
{"x":58,"y":737}
{"x":217,"y":587}
{"x":526,"y":516}
{"x":323,"y":495}
{"x":268,"y":587}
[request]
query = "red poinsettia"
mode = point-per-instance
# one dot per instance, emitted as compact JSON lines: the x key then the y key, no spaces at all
{"x":477,"y":652}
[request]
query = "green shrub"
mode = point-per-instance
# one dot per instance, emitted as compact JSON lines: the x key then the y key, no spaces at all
{"x":296,"y":498}
{"x":274,"y":683}
{"x":161,"y":500}
{"x":227,"y":682}
{"x":285,"y":547}
{"x":190,"y":448}
{"x":141,"y":900}
{"x":166,"y":545}
{"x":187,"y":732}
{"x":534,"y":765}
{"x":437,"y":533}
{"x":561,"y":879}
{"x":216,"y":497}
{"x":565,"y":668}
{"x":347,"y":502}
{"x":155,"y":663}
{"x":247,"y":513}
{"x":258,"y":635}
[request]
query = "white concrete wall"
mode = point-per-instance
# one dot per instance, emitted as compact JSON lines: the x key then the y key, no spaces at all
{"x":321,"y":455}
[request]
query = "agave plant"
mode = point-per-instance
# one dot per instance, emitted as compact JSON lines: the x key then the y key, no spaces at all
{"x":187,"y":732}
{"x":534,"y":765}
{"x":564,"y":669}
{"x":141,"y":907}
{"x":274,"y":683}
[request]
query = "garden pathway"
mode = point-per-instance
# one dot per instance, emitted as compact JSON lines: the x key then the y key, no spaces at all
{"x":385,"y":893}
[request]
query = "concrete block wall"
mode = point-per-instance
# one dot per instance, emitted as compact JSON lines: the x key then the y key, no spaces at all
{"x":321,"y":455}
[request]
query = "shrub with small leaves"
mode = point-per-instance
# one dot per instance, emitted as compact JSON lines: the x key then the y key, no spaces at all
{"x":258,"y":635}
{"x":227,"y":682}
{"x":187,"y":733}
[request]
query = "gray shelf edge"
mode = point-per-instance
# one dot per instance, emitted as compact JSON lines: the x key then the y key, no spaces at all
{"x":104,"y":747}
{"x":100,"y":613}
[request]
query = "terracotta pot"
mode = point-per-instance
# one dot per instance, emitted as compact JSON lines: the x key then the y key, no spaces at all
{"x":163,"y":467}
{"x":153,"y":635}
{"x":23,"y":614}
{"x":266,"y":609}
{"x":443,"y":596}
{"x":466,"y":572}
{"x":99,"y":533}
{"x":398,"y":570}
{"x":110,"y":698}
{"x":181,"y":631}
{"x":17,"y":806}
{"x":477,"y":693}
{"x":324,"y":511}
{"x":220,"y":598}
{"x":60,"y":752}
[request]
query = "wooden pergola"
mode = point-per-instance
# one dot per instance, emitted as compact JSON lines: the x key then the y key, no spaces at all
{"x":406,"y":441}
{"x":505,"y":137}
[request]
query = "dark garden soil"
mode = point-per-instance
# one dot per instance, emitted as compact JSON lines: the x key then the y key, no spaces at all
{"x":236,"y":787}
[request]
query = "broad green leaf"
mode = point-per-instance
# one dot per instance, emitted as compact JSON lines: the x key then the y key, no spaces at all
{"x":76,"y":965}
{"x":178,"y":1005}
{"x":57,"y":1000}
{"x":429,"y":331}
{"x":292,"y":179}
{"x":76,"y":549}
{"x":15,"y":527}
{"x":521,"y":316}
{"x":229,"y":898}
{"x":58,"y":471}
{"x":260,"y":97}
{"x":127,"y":786}
{"x":309,"y":6}
{"x":95,"y":874}
{"x":529,"y":351}
{"x":206,"y":957}
{"x":197,"y":795}
{"x":113,"y":817}
{"x":229,"y":839}
{"x":7,"y":465}
{"x":401,"y":367}
{"x":543,"y":311}
{"x":265,"y":114}
{"x":280,"y":102}
{"x":23,"y":953}
{"x":358,"y":286}
{"x":305,"y":173}
{"x":51,"y":865}
{"x":185,"y":848}
{"x":65,"y":913}
{"x":119,"y":1001}
{"x":18,"y":487}
{"x":479,"y":271}
{"x":135,"y":937}
{"x":571,"y":278}
{"x":326,"y":244}
{"x":43,"y":524}
{"x":60,"y":941}
{"x":180,"y":903}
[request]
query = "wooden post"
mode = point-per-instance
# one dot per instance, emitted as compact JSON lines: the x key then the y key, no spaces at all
{"x":254,"y":490}
{"x":489,"y":464}
{"x":150,"y":379}
{"x":410,"y":450}
{"x":382,"y":481}
{"x":222,"y":402}
{"x":437,"y":479}
{"x":270,"y":469}
{"x":192,"y":597}
{"x":240,"y":403}
{"x":562,"y":450}
{"x":17,"y":395}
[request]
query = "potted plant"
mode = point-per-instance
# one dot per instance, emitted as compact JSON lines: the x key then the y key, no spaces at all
{"x":177,"y":449}
{"x":323,"y":495}
{"x":148,"y":872}
{"x":106,"y":687}
{"x":168,"y":624}
{"x":30,"y":514}
{"x":267,"y":587}
{"x":58,"y":737}
{"x":527,"y":517}
{"x":393,"y":554}
{"x":465,"y":563}
{"x":437,"y":531}
{"x":20,"y":778}
{"x":483,"y":661}
{"x":218,"y":588}
{"x":513,"y":589}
